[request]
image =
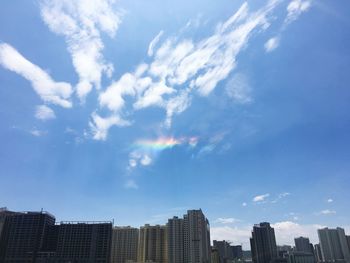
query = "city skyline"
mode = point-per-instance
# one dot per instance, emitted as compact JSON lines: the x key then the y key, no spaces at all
{"x":138,"y":111}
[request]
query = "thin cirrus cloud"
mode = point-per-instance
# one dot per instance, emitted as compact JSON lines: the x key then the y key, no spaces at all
{"x":49,"y":91}
{"x":227,"y":220}
{"x":327,"y":212}
{"x":261,"y":198}
{"x":181,"y":68}
{"x":81,"y":23}
{"x":153,"y":43}
{"x":44,"y":113}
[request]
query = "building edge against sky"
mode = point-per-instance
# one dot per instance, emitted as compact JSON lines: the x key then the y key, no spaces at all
{"x":180,"y":240}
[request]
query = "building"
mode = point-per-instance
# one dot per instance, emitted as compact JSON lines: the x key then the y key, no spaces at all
{"x":333,"y":245}
{"x":175,"y":228}
{"x":237,"y":252}
{"x":284,"y":250}
{"x":215,"y":257}
{"x":300,"y":257}
{"x":263,"y":243}
{"x":196,"y":237}
{"x":302,"y":244}
{"x":318,"y":253}
{"x":84,"y":242}
{"x":22,"y":235}
{"x":224,"y":249}
{"x":124,"y":244}
{"x":348,"y":241}
{"x":152,"y":245}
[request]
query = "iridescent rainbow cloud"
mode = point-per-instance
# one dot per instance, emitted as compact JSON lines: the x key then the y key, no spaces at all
{"x":163,"y":143}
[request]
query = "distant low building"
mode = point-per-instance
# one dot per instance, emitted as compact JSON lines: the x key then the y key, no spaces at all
{"x":300,"y":257}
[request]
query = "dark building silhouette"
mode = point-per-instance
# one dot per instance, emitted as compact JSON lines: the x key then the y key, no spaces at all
{"x":263,"y":243}
{"x":83,"y":242}
{"x":237,"y":252}
{"x":23,"y":235}
{"x":302,"y":244}
{"x":175,"y":228}
{"x":224,"y":249}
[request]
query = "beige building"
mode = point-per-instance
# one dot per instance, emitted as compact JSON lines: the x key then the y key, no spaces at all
{"x":124,"y":244}
{"x":153,"y":244}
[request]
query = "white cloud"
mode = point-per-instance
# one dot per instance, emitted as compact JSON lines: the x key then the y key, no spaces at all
{"x":80,"y":22}
{"x":229,"y":220}
{"x":37,"y":133}
{"x":236,"y":235}
{"x":330,"y":200}
{"x":260,"y":198}
{"x":286,"y":231}
{"x":296,"y":8}
{"x":44,"y":113}
{"x":146,"y":160}
{"x":131,"y":184}
{"x":182,"y":67}
{"x":244,"y":204}
{"x":327,"y":212}
{"x":100,"y":125}
{"x":238,"y":89}
{"x":272,"y":44}
{"x":49,"y":91}
{"x":154,"y":42}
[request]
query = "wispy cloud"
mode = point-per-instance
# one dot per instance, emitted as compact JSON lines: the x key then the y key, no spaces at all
{"x":228,"y":220}
{"x":181,"y":68}
{"x":49,"y":91}
{"x":154,"y":42}
{"x":261,"y":198}
{"x":239,"y":89}
{"x":330,"y":200}
{"x":327,"y":212}
{"x":131,"y":184}
{"x":296,"y":8}
{"x":81,"y":23}
{"x":100,"y":125}
{"x":281,"y":196}
{"x":44,"y":113}
{"x":272,"y":44}
{"x":37,"y":133}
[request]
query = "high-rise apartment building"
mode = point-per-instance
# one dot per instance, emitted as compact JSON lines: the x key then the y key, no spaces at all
{"x":263,"y":243}
{"x":224,"y":249}
{"x":23,"y":235}
{"x":124,"y":244}
{"x":84,"y":242}
{"x":302,"y":244}
{"x":152,"y":245}
{"x":318,"y":253}
{"x":334,"y":245}
{"x":175,"y":228}
{"x":196,"y":237}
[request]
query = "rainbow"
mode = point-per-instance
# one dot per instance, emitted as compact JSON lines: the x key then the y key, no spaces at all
{"x":163,"y":143}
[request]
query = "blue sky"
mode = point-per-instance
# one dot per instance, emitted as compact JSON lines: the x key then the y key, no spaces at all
{"x":140,"y":110}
